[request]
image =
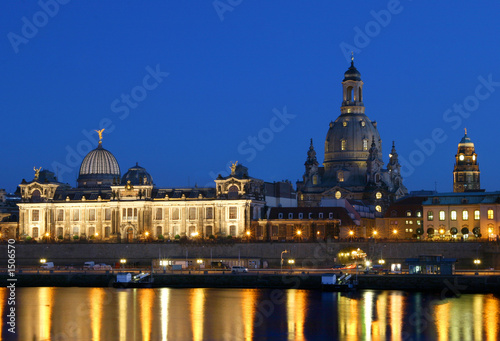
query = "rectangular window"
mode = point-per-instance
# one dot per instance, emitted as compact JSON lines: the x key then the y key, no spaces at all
{"x":465,"y":215}
{"x":365,"y":144}
{"x":60,"y":215}
{"x":477,"y":215}
{"x":175,"y":214}
{"x":343,"y":144}
{"x":274,"y":231}
{"x":442,"y":215}
{"x":35,"y":232}
{"x":233,"y":212}
{"x":107,"y":214}
{"x":490,"y":214}
{"x":92,"y":214}
{"x":35,"y":215}
{"x":430,"y":216}
{"x":192,"y":213}
{"x":453,"y":215}
{"x":159,"y":213}
{"x":209,"y":213}
{"x":76,"y":215}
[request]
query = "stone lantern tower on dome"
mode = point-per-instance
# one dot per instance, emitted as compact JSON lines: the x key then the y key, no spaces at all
{"x":466,"y":171}
{"x":353,"y":166}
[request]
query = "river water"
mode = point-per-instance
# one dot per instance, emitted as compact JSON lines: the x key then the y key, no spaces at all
{"x":247,"y":314}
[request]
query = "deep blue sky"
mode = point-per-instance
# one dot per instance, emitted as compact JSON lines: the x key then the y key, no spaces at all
{"x":225,"y":78}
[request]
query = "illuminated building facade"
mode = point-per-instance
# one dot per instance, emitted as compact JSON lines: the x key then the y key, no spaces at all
{"x":108,"y":206}
{"x":353,"y":167}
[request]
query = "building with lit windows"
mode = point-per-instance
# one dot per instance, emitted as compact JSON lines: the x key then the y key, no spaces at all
{"x":110,"y":207}
{"x":353,"y":166}
{"x":462,"y":215}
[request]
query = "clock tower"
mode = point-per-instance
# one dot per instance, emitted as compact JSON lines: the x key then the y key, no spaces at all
{"x":466,"y":170}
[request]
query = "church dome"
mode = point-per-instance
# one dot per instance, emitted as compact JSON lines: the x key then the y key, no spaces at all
{"x":349,"y":138}
{"x":137,"y":175}
{"x":98,"y":169}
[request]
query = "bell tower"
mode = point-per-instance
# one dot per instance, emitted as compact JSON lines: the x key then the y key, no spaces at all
{"x":466,"y":171}
{"x":352,"y":87}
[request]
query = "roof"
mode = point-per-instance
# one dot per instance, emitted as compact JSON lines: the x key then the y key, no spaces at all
{"x":404,"y":205}
{"x":458,"y":198}
{"x":338,"y":213}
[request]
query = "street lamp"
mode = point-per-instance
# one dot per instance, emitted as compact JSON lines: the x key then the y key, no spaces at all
{"x":291,"y":262}
{"x":395,"y":232}
{"x":282,"y":252}
{"x":381,"y":261}
{"x":194,"y":234}
{"x":43,"y":260}
{"x":477,"y":261}
{"x":199,"y":261}
{"x":375,"y":233}
{"x":123,"y":261}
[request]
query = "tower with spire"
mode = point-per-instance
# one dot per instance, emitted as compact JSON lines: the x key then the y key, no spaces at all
{"x":353,"y":166}
{"x":466,"y":171}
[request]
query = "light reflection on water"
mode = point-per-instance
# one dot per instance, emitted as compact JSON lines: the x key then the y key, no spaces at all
{"x":246,"y":314}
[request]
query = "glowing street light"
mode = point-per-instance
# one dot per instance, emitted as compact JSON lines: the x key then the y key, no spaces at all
{"x":194,"y":234}
{"x":291,"y":262}
{"x":282,"y":252}
{"x":43,"y":260}
{"x":477,"y":261}
{"x":199,"y":261}
{"x":375,"y":233}
{"x":381,"y":261}
{"x":123,"y":261}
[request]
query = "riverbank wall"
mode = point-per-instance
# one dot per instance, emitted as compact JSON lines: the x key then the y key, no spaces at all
{"x":306,"y":255}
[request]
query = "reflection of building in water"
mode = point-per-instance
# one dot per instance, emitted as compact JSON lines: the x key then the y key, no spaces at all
{"x":197,"y":312}
{"x":296,"y":307}
{"x":248,"y":304}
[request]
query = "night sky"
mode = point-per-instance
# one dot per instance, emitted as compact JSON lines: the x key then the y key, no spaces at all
{"x":186,"y":87}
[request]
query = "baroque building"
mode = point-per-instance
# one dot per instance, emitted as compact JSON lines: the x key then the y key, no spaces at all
{"x":466,"y":171}
{"x":110,"y":207}
{"x":353,"y":167}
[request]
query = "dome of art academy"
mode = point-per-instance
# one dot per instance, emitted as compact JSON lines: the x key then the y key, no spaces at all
{"x":98,"y":169}
{"x":137,"y":175}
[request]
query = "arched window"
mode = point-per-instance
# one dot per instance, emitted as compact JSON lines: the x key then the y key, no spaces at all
{"x":453,"y":215}
{"x":232,"y":192}
{"x":315,"y":180}
{"x":340,"y":176}
{"x":365,"y":144}
{"x":349,"y":92}
{"x":465,"y":215}
{"x":343,"y":144}
{"x":35,"y":196}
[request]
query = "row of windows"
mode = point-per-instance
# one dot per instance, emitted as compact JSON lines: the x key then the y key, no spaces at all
{"x":192,"y":213}
{"x":131,"y":214}
{"x":309,"y":215}
{"x":75,"y":214}
{"x":453,"y":215}
{"x":343,"y":144}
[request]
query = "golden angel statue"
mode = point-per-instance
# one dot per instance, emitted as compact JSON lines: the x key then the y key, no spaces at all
{"x":100,"y":133}
{"x":233,"y":167}
{"x":37,"y":172}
